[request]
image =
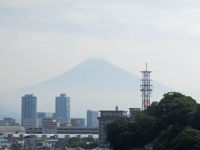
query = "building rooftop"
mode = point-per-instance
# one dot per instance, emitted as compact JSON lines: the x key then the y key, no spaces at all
{"x":113,"y":111}
{"x":12,"y":129}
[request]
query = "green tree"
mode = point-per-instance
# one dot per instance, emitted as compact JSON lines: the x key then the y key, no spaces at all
{"x":160,"y":122}
{"x":144,"y":125}
{"x":173,"y":109}
{"x":195,"y":118}
{"x":74,"y":142}
{"x":119,"y":134}
{"x":188,"y":139}
{"x":165,"y":137}
{"x":86,"y":143}
{"x":177,"y":108}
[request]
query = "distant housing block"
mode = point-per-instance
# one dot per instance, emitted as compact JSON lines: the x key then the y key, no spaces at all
{"x":43,"y":115}
{"x":108,"y":116}
{"x":49,"y":126}
{"x":92,"y":120}
{"x":133,"y":112}
{"x":78,"y":122}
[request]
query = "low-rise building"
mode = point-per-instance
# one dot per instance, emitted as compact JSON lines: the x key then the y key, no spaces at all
{"x":133,"y":112}
{"x":49,"y":126}
{"x":12,"y":130}
{"x":78,"y":122}
{"x":92,"y":120}
{"x":108,"y":116}
{"x":32,"y":142}
{"x":10,"y":121}
{"x":3,"y":123}
{"x":7,"y":122}
{"x":34,"y":131}
{"x":75,"y":130}
{"x":43,"y":115}
{"x":3,"y":141}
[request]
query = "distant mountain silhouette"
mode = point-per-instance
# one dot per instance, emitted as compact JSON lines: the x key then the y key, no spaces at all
{"x":94,"y":84}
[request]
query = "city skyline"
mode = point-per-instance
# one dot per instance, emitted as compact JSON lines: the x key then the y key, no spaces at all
{"x":66,"y":64}
{"x":95,"y":84}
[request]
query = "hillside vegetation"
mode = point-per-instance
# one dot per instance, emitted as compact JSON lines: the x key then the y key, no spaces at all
{"x":171,"y":124}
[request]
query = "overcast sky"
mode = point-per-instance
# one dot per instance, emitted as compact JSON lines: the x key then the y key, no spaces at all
{"x":40,"y":39}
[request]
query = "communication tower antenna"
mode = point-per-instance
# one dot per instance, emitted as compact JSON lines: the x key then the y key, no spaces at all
{"x":146,"y":88}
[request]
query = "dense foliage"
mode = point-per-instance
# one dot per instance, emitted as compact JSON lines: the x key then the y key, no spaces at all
{"x":119,"y":134}
{"x":86,"y":143}
{"x":165,"y":125}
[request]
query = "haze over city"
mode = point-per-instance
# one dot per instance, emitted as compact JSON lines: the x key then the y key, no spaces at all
{"x":96,"y":74}
{"x":42,"y":39}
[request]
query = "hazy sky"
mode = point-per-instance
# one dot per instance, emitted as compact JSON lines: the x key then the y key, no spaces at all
{"x":40,"y":39}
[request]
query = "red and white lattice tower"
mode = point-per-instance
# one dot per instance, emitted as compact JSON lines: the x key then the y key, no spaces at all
{"x":146,"y":88}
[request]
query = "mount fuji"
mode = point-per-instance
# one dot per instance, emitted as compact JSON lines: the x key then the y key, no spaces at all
{"x":94,"y":84}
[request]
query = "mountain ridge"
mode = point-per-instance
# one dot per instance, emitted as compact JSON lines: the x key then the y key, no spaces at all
{"x":94,"y":84}
{"x":86,"y":65}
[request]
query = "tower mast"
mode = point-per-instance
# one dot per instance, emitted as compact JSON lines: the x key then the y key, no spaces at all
{"x":146,"y":88}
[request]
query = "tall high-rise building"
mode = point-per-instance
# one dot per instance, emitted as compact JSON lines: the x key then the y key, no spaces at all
{"x":92,"y":120}
{"x":29,"y":111}
{"x":63,"y":108}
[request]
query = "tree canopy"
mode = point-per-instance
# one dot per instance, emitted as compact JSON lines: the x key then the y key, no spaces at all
{"x":161,"y":124}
